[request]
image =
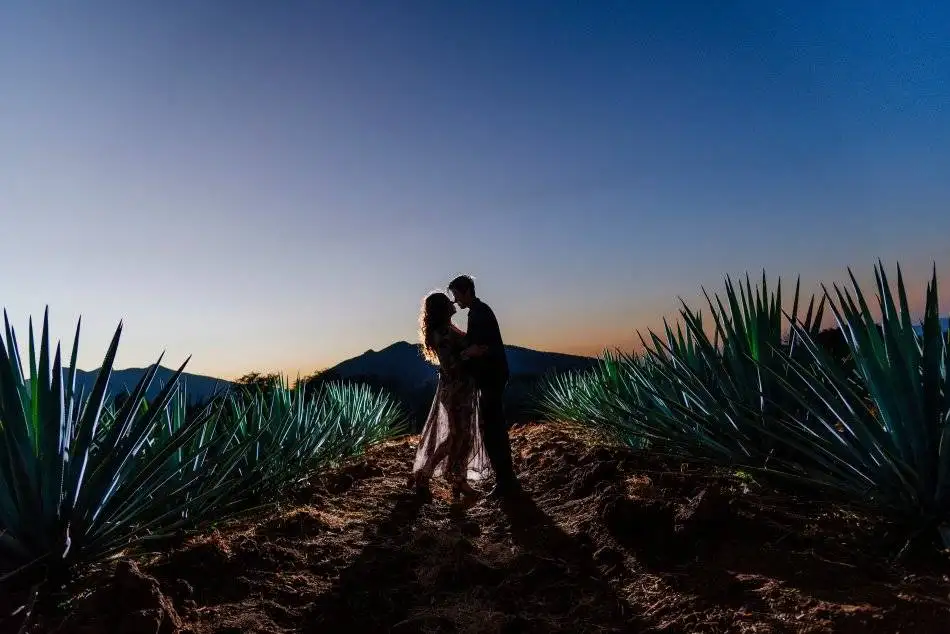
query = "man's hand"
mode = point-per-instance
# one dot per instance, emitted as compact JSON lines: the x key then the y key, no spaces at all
{"x":474,"y":351}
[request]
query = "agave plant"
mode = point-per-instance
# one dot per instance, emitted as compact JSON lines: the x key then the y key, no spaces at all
{"x":290,"y":432}
{"x":748,"y":347}
{"x":69,"y":489}
{"x":881,"y":433}
{"x":583,"y":396}
{"x":698,"y":393}
{"x":81,"y":480}
{"x":360,"y":416}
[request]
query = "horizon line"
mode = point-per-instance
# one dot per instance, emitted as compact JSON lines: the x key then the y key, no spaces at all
{"x":341,"y":361}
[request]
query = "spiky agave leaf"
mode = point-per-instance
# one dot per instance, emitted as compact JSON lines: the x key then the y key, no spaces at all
{"x":696,"y":392}
{"x":882,"y":434}
{"x":591,"y":396}
{"x":81,"y":479}
{"x":287,"y":434}
{"x":71,"y":490}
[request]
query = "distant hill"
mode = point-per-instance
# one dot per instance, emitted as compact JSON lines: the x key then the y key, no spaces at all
{"x":398,"y":368}
{"x":403,"y":362}
{"x":198,"y":388}
{"x":944,"y":326}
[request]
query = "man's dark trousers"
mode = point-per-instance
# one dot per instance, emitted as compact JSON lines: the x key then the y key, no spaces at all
{"x":495,"y":432}
{"x":491,"y":374}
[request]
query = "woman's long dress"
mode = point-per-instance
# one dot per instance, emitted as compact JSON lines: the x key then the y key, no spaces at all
{"x":451,"y":442}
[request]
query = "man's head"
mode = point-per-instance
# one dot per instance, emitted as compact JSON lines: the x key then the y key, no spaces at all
{"x":463,"y":290}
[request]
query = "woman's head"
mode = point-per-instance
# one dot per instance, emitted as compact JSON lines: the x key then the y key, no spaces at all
{"x":436,"y":313}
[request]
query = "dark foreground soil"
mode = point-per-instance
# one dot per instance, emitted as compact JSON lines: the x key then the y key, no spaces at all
{"x":603,"y":542}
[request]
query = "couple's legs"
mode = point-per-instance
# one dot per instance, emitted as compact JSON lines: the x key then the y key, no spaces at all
{"x":455,"y":447}
{"x":456,"y":468}
{"x":425,"y":473}
{"x":495,"y":435}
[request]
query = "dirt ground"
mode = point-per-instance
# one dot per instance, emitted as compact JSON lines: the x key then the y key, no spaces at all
{"x":603,"y":542}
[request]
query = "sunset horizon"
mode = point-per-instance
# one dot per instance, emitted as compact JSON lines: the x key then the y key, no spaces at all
{"x":623,"y":339}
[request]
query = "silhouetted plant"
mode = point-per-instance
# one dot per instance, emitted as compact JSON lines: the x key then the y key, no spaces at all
{"x":863,"y":408}
{"x":82,"y":479}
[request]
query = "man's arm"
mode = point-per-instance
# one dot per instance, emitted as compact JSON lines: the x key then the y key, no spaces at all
{"x":477,"y":331}
{"x":477,"y":334}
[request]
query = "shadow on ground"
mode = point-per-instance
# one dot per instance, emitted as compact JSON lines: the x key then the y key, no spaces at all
{"x":447,"y":575}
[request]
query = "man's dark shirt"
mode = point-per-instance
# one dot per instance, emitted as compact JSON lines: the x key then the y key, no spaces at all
{"x":483,"y":330}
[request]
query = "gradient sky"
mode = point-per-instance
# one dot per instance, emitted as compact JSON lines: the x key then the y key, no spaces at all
{"x":275,"y":185}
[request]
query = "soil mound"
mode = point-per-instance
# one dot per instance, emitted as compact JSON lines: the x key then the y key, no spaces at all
{"x":604,"y":541}
{"x":130,"y":603}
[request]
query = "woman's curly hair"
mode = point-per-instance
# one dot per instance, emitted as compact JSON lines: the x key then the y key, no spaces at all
{"x":436,"y":313}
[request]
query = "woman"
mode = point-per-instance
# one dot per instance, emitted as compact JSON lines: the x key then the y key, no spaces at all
{"x":451,"y":444}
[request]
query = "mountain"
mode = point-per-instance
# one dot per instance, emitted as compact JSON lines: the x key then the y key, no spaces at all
{"x":944,"y":326}
{"x":198,"y":388}
{"x":399,"y":367}
{"x":402,"y":362}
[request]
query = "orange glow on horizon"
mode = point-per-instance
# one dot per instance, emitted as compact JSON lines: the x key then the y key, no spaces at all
{"x":618,"y":330}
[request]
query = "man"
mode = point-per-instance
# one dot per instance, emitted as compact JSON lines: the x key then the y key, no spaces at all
{"x":490,"y":368}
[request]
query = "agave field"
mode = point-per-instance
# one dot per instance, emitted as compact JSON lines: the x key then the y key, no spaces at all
{"x":82,"y":480}
{"x":760,"y":389}
{"x":860,"y":412}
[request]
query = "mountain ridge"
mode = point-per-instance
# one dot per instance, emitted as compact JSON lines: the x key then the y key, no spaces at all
{"x":399,"y":364}
{"x":399,"y":367}
{"x":404,"y":361}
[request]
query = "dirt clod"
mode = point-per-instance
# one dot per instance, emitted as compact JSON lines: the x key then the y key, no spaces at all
{"x":133,"y":603}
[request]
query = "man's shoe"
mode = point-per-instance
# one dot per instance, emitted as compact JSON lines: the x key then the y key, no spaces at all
{"x":423,"y":493}
{"x":506,"y":491}
{"x":419,"y":486}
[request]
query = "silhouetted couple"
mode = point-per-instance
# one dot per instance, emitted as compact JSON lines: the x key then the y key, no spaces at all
{"x":465,"y":437}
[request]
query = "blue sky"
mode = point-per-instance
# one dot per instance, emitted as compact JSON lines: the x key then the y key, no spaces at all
{"x":274,"y":186}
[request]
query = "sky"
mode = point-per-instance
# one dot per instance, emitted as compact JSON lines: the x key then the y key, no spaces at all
{"x":274,"y":186}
